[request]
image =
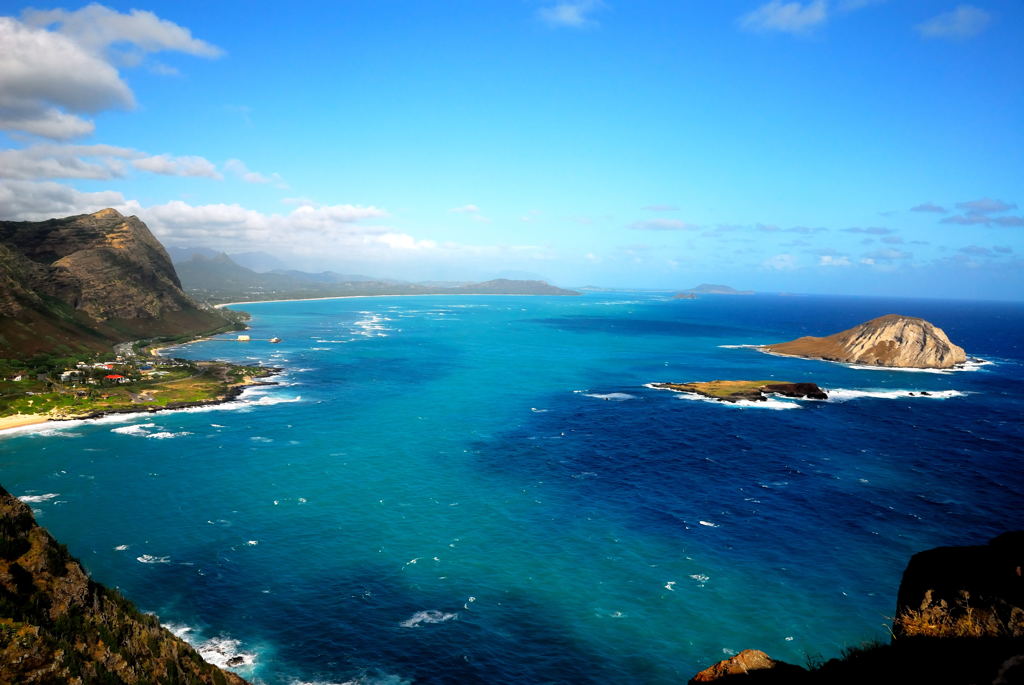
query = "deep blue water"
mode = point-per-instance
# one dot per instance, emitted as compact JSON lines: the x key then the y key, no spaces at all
{"x":481,"y":489}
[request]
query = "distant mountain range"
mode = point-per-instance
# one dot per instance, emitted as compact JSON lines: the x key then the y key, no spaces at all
{"x":86,"y":282}
{"x":218,"y":278}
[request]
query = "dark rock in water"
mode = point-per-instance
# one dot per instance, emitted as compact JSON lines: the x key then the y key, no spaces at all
{"x":809,"y":390}
{"x":236,"y":661}
{"x":923,"y":392}
{"x":964,"y":592}
{"x":750,"y":665}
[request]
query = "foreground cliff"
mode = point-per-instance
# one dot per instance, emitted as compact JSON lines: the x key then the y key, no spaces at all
{"x":959,"y":621}
{"x":892,"y":340}
{"x":86,"y":282}
{"x":58,"y":626}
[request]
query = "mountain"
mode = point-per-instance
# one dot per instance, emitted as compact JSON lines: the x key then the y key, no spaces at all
{"x":714,"y":289}
{"x":258,"y":261}
{"x":220,"y":279}
{"x":505,"y":286}
{"x":82,"y":283}
{"x":58,"y":626}
{"x":890,"y":340}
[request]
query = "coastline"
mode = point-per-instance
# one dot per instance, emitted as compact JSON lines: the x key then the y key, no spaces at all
{"x":11,"y":424}
{"x":349,"y":297}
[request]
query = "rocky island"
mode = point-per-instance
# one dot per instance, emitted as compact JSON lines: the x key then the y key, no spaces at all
{"x":892,"y":340}
{"x":756,"y":391}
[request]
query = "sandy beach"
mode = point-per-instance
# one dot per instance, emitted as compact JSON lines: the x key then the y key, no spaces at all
{"x":20,"y":420}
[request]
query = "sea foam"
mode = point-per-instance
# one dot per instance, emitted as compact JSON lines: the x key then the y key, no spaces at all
{"x":428,"y":616}
{"x":843,"y":394}
{"x":33,"y":499}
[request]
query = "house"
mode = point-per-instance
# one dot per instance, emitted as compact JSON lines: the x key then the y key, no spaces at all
{"x":70,"y":375}
{"x":116,"y":377}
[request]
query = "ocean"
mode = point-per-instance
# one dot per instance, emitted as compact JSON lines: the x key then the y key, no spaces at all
{"x":481,"y":488}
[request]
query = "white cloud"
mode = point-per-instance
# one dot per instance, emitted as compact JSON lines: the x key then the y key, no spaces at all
{"x":47,"y":161}
{"x":97,"y":28}
{"x":31,"y":201}
{"x":570,"y":14}
{"x":51,"y":80}
{"x":238,"y":167}
{"x":965,"y":21}
{"x":829,"y":260}
{"x":780,"y":262}
{"x":43,"y":73}
{"x":785,"y":17}
{"x":186,"y":165}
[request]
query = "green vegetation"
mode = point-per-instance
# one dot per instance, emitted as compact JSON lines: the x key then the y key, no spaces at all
{"x":76,"y":386}
{"x":720,"y":389}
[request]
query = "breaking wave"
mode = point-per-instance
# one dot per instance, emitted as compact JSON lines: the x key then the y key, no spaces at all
{"x":428,"y":616}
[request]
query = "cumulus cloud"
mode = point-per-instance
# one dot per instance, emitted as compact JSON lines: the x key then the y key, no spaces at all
{"x":97,"y":28}
{"x":830,"y":260}
{"x":576,"y":14}
{"x":52,"y":80}
{"x":975,"y":250}
{"x":49,"y":160}
{"x":186,"y":165}
{"x":928,"y":207}
{"x":662,"y":225}
{"x":33,"y":201}
{"x":785,"y":17}
{"x":47,"y":81}
{"x":964,"y":21}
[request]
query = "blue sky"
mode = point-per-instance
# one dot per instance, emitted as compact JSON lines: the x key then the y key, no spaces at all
{"x":831,"y":146}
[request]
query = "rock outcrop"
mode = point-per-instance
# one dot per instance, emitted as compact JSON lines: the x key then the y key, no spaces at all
{"x":750,"y":665}
{"x":58,"y":626}
{"x":85,"y":282}
{"x":892,"y":340}
{"x":975,"y":592}
{"x":959,"y":621}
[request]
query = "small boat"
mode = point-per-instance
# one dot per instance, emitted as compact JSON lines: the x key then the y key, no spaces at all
{"x":275,"y":340}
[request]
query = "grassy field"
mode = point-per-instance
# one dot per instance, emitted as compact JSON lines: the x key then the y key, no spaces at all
{"x":197,"y":382}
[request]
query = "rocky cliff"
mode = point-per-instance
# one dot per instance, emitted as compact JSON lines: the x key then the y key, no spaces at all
{"x":959,"y":621}
{"x":58,"y":626}
{"x":891,"y":340}
{"x":85,"y":282}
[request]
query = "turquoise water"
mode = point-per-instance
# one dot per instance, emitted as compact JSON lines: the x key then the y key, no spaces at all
{"x":481,"y":489}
